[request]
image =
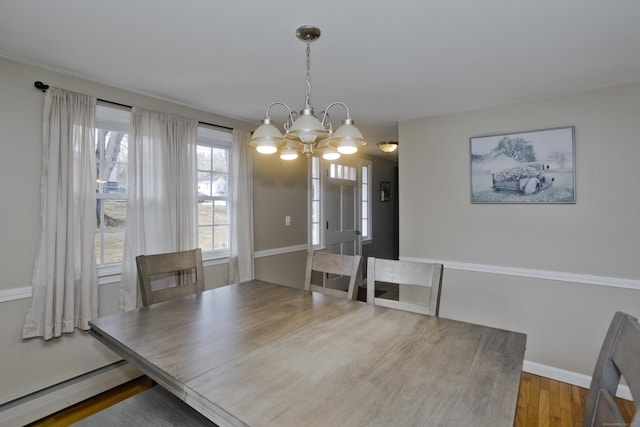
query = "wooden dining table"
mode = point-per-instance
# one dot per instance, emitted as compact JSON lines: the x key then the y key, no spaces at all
{"x":262,"y":354}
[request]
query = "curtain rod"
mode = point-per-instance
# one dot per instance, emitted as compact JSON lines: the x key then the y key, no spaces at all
{"x":43,"y":87}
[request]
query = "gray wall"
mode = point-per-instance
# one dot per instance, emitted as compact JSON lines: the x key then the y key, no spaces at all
{"x":555,"y":272}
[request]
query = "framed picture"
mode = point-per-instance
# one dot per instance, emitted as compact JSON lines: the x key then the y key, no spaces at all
{"x":524,"y":167}
{"x":385,"y":191}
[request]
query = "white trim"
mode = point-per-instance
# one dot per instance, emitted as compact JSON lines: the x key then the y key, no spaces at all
{"x":280,"y":251}
{"x":586,"y":279}
{"x":215,"y":261}
{"x":37,"y":405}
{"x":15,"y":293}
{"x":574,"y":378}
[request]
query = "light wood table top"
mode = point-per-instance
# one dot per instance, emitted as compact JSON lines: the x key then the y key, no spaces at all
{"x":261,"y":354}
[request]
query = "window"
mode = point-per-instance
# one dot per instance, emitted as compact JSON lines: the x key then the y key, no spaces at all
{"x":214,"y":202}
{"x":316,"y":240}
{"x":111,"y":144}
{"x":366,"y":206}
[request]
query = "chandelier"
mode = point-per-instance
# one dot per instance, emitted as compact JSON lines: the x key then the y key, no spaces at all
{"x":304,"y":131}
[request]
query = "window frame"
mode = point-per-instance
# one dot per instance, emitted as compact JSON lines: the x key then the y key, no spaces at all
{"x":365,"y":187}
{"x":211,"y":137}
{"x":113,"y":118}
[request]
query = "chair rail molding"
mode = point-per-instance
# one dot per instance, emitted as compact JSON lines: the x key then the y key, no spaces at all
{"x":586,"y":279}
{"x":280,"y":251}
{"x":15,"y":294}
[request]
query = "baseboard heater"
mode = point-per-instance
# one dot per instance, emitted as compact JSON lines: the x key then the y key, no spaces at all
{"x":42,"y":403}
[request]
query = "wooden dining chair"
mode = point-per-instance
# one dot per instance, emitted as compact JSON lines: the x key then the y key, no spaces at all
{"x":343,"y":265}
{"x":162,"y":277}
{"x":619,"y":356}
{"x":406,"y":273}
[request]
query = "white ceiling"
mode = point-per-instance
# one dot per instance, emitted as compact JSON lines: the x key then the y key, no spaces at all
{"x":389,"y":61}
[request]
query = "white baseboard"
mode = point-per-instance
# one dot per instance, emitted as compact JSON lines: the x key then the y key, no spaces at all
{"x":569,"y":377}
{"x":45,"y":402}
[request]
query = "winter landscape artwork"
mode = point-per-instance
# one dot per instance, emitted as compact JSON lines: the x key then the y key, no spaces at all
{"x":526,"y":167}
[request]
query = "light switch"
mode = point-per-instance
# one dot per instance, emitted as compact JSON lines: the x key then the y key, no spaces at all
{"x":287,"y":220}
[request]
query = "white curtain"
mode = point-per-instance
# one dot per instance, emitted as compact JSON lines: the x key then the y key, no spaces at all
{"x":162,"y":192}
{"x":65,"y":282}
{"x":241,"y":241}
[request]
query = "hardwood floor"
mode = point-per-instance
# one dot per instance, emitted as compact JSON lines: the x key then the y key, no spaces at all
{"x":542,"y":402}
{"x":92,"y":405}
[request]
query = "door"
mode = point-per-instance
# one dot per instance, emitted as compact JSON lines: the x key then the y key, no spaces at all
{"x":341,"y":214}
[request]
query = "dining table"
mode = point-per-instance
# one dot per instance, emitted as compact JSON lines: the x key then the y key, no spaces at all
{"x":263,"y":354}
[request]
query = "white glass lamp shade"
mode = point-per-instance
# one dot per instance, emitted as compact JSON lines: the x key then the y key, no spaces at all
{"x":347,"y":138}
{"x":267,"y":138}
{"x":307,"y":128}
{"x":330,"y":153}
{"x":289,"y":152}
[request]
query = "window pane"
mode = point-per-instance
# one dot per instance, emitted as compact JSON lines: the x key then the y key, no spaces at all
{"x":220,"y":212}
{"x":365,"y":175}
{"x":205,"y":238}
{"x":315,"y":234}
{"x":315,"y":211}
{"x":221,"y":237}
{"x":315,"y":189}
{"x":115,"y":214}
{"x":205,"y":213}
{"x":113,"y":247}
{"x":220,"y":159}
{"x":204,"y":157}
{"x":219,"y":185}
{"x":204,"y":184}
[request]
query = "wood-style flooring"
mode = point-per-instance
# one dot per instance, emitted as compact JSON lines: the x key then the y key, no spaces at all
{"x":542,"y":402}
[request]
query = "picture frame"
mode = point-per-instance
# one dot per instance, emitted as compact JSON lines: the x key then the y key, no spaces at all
{"x":526,"y":167}
{"x":385,"y":191}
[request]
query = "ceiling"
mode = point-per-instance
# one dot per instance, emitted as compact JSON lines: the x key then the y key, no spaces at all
{"x":388,"y":61}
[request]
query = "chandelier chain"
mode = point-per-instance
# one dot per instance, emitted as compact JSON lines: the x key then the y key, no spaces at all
{"x":307,"y":98}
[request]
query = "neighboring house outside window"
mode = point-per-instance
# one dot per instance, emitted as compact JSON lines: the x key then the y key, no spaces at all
{"x":214,"y":192}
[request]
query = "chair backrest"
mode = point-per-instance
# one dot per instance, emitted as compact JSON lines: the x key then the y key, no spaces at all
{"x":181,"y":270}
{"x":343,"y":265}
{"x":620,"y":355}
{"x":426,"y":275}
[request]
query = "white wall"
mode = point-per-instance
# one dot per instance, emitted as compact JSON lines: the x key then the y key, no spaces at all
{"x":554,"y":272}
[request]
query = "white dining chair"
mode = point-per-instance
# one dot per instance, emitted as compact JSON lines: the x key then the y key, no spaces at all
{"x":326,"y":263}
{"x":619,"y":356}
{"x":180,"y":273}
{"x":427,"y":276}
